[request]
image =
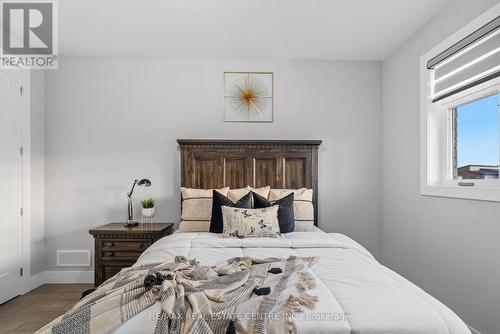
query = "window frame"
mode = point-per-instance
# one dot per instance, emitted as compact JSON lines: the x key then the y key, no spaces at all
{"x":436,"y":144}
{"x":449,"y":106}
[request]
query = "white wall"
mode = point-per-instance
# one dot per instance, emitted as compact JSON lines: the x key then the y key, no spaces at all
{"x":447,"y":246}
{"x":110,"y":120}
{"x":37,"y":95}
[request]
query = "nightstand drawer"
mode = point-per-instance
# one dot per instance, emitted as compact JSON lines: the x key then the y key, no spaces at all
{"x":106,"y":256}
{"x":111,"y":271}
{"x":125,"y":245}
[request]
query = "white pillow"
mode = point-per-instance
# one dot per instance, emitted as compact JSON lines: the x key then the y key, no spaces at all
{"x":245,"y":223}
{"x":302,"y":194}
{"x":235,"y":194}
{"x":197,"y":209}
{"x":303,"y":208}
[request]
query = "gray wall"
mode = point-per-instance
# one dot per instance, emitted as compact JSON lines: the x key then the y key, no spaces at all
{"x":110,"y":120}
{"x":37,"y":95}
{"x":447,"y":246}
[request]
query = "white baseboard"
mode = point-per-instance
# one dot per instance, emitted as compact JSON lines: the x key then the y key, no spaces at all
{"x":33,"y":282}
{"x":61,"y":277}
{"x":473,"y":330}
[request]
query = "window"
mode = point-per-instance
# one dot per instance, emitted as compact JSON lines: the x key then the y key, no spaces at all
{"x":460,"y":113}
{"x":475,"y":139}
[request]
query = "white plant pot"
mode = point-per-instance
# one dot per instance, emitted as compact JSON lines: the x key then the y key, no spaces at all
{"x":148,"y":213}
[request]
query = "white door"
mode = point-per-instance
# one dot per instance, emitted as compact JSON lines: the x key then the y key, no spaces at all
{"x":10,"y":184}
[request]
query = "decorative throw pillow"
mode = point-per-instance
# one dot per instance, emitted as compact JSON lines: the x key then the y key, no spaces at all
{"x":285,"y":213}
{"x":245,"y":223}
{"x":303,"y":208}
{"x":302,"y":194}
{"x":196,"y":209}
{"x":216,"y":223}
{"x":235,"y":194}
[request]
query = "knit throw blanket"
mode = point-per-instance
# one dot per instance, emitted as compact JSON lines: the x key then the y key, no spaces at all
{"x":244,"y":295}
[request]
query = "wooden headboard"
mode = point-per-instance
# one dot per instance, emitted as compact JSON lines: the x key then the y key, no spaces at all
{"x":289,"y":164}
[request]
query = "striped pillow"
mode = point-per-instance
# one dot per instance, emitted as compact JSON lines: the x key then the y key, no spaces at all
{"x":197,"y":209}
{"x":303,"y":208}
{"x":235,"y":194}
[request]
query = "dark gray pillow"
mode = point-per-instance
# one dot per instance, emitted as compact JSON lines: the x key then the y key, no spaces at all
{"x":218,"y":200}
{"x":286,"y":217}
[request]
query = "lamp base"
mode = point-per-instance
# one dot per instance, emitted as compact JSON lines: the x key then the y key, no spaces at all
{"x":131,"y":224}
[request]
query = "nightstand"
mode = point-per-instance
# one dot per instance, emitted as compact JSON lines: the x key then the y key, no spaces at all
{"x":117,"y":246}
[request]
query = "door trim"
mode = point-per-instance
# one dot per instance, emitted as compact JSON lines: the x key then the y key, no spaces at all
{"x":26,"y":284}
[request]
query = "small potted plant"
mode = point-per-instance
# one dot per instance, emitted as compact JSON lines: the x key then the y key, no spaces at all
{"x":148,"y":207}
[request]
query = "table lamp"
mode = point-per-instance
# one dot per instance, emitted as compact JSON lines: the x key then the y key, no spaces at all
{"x":130,"y":207}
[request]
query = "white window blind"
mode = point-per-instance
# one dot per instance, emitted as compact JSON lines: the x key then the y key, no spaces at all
{"x":470,"y":62}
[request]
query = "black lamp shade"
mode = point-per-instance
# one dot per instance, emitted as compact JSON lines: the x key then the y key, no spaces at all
{"x":144,"y":183}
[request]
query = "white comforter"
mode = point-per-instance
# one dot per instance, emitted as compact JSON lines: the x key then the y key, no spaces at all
{"x":356,"y":293}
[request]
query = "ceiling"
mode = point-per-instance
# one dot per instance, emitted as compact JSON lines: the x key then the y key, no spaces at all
{"x":285,"y":29}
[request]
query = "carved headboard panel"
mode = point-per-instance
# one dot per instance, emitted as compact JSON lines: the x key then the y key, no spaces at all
{"x":287,"y":164}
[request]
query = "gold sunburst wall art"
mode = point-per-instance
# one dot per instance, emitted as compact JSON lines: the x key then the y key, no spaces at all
{"x":248,"y":96}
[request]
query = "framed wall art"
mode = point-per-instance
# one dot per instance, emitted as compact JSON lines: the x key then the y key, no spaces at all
{"x":248,"y":96}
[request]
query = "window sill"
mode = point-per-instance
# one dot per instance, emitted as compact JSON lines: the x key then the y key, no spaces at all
{"x":478,"y":193}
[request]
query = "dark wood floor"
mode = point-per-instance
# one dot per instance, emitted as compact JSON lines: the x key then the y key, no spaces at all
{"x":27,"y":313}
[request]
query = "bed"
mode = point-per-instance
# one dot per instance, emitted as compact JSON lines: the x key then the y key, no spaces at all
{"x":356,"y":294}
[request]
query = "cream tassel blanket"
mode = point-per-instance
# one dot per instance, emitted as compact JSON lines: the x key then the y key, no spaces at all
{"x":244,"y":295}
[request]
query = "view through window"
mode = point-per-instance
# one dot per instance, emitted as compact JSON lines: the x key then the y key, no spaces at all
{"x":476,"y":139}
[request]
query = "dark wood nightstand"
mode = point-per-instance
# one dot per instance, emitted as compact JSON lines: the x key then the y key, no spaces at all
{"x":117,"y":246}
